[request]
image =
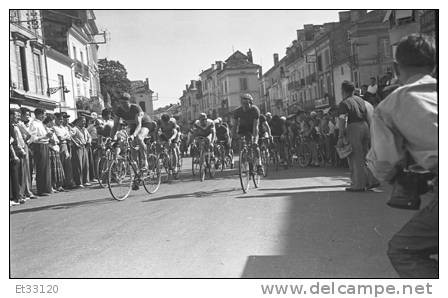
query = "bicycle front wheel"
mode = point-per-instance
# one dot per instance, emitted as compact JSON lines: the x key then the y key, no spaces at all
{"x":102,"y":170}
{"x":152,"y":177}
{"x":265,"y":161}
{"x":244,"y":171}
{"x":120,"y":179}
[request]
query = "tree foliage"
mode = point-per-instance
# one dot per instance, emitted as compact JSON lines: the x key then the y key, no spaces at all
{"x":113,"y":79}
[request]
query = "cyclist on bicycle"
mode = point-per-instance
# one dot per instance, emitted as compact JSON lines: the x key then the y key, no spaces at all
{"x":279,"y":133}
{"x":205,"y":128}
{"x":170,"y":132}
{"x":264,"y":130}
{"x":223,"y":135}
{"x":139,"y":122}
{"x":246,"y":125}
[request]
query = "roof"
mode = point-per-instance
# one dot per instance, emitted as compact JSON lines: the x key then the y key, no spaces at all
{"x":139,"y":87}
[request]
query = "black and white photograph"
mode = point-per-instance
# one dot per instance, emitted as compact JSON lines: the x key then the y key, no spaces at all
{"x":225,"y":144}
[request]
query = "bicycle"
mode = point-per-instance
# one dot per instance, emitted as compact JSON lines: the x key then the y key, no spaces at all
{"x":194,"y":152}
{"x":124,"y":173}
{"x":166,"y":157}
{"x":264,"y":155}
{"x":223,"y":160}
{"x":103,"y":163}
{"x":206,"y":159}
{"x":303,"y":151}
{"x":246,"y":165}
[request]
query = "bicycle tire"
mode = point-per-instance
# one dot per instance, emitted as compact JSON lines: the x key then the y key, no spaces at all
{"x":118,"y":180}
{"x":102,"y":170}
{"x":211,"y":167}
{"x":304,"y":156}
{"x":243,"y":169}
{"x":152,"y":177}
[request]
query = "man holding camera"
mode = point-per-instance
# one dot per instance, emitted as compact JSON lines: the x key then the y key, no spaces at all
{"x":405,"y":153}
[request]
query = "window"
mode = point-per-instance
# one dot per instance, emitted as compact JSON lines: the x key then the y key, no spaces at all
{"x":38,"y":73}
{"x":62,"y":87}
{"x":142,"y":105}
{"x":243,"y":84}
{"x":386,"y":49}
{"x":21,"y":69}
{"x":342,"y":70}
{"x":319,"y":63}
{"x":327,"y":59}
{"x":81,"y":55}
{"x":74,"y":53}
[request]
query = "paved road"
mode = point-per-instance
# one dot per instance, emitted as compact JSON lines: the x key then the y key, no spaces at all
{"x":299,"y":223}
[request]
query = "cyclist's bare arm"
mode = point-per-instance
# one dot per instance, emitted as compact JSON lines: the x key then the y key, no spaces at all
{"x":138,"y":120}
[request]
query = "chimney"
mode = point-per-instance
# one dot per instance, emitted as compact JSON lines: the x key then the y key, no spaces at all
{"x":275,"y":59}
{"x":218,"y":65}
{"x":249,"y":56}
{"x":147,"y":84}
{"x":300,"y":34}
{"x":186,"y":87}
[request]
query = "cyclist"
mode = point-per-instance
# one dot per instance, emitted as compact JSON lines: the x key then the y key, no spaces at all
{"x":140,"y":124}
{"x":279,"y":133}
{"x":268,"y":116}
{"x":170,"y":132}
{"x":246,"y":125}
{"x":264,"y":130}
{"x":205,"y":128}
{"x":223,"y":135}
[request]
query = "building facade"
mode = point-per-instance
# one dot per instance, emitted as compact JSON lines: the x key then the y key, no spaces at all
{"x":28,"y":72}
{"x":190,"y":102}
{"x":141,"y":94}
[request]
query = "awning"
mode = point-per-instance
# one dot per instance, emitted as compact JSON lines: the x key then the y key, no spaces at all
{"x":23,"y":98}
{"x":387,"y":16}
{"x":403,"y":13}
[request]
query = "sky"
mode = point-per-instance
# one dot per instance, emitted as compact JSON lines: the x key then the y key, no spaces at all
{"x":170,"y":48}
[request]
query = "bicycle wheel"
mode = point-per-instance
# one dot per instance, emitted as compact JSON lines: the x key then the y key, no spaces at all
{"x":265,"y":160}
{"x":202,"y":169}
{"x":244,"y":171}
{"x":211,"y":166}
{"x":152,"y":177}
{"x":304,"y":155}
{"x":120,"y":178}
{"x":102,"y":170}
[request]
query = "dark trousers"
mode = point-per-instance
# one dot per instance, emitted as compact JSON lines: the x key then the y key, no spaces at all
{"x":26,"y":172}
{"x":80,"y":162}
{"x":90,"y":153}
{"x":410,"y":249}
{"x":67,"y":165}
{"x":16,"y":185}
{"x":359,"y":137}
{"x":43,"y":171}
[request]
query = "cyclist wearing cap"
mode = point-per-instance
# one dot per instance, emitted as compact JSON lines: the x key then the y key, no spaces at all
{"x":223,"y":135}
{"x":246,"y":125}
{"x":140,"y":124}
{"x":170,"y":132}
{"x":205,"y":128}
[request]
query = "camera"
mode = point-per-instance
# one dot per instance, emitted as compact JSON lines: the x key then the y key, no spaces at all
{"x":408,"y":185}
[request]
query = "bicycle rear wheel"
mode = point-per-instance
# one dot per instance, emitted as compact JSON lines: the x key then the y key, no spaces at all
{"x":244,"y":171}
{"x":102,"y":170}
{"x":152,"y":177}
{"x":265,"y":160}
{"x":211,"y":166}
{"x":304,"y":155}
{"x":120,"y":179}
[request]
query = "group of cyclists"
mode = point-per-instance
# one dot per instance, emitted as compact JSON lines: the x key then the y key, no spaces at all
{"x":129,"y":124}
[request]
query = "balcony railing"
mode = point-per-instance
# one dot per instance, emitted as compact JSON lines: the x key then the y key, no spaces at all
{"x":81,"y":70}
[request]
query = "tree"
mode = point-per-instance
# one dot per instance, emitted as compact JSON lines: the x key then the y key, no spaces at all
{"x":113,"y":80}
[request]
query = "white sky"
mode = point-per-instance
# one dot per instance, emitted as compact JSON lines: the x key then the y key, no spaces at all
{"x":173,"y":47}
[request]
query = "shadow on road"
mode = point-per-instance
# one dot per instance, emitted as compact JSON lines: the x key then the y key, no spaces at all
{"x":196,"y":194}
{"x":64,"y":205}
{"x":294,"y":173}
{"x":329,"y":234}
{"x":307,"y":187}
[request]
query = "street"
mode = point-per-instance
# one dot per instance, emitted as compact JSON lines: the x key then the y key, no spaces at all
{"x":300,"y":223}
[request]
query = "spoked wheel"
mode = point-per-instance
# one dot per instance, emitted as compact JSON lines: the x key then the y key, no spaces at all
{"x":202,"y":169}
{"x":265,"y":161}
{"x":164,"y":165}
{"x":120,"y":179}
{"x":102,"y":170}
{"x":304,"y":156}
{"x":228,"y":162}
{"x":211,"y":166}
{"x":244,"y":171}
{"x":152,"y":177}
{"x":195,"y":165}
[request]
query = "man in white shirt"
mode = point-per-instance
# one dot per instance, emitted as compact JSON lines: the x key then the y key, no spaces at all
{"x":64,"y":137}
{"x":372,"y":91}
{"x":39,"y":142}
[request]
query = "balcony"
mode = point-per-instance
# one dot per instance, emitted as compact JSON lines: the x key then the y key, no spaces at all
{"x":81,"y":70}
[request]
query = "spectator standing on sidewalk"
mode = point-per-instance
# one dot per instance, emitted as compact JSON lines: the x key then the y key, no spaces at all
{"x":79,"y":153}
{"x":406,"y":124}
{"x":39,"y":140}
{"x":25,"y":116}
{"x":24,"y":126}
{"x":17,"y":160}
{"x":354,"y":126}
{"x":57,"y":170}
{"x":64,"y":137}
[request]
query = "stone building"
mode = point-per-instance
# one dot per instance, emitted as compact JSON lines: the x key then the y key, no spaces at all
{"x":141,"y":94}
